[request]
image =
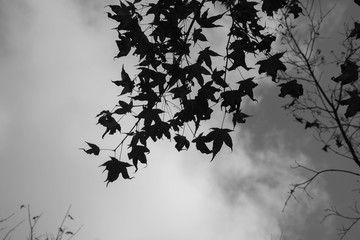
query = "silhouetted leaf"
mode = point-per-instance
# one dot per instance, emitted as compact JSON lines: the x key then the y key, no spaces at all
{"x":125,"y":82}
{"x":265,"y":44}
{"x":291,"y":88}
{"x":94,"y":149}
{"x":271,"y":6}
{"x":110,"y":123}
{"x":218,"y":79}
{"x":137,"y":154}
{"x":181,"y":142}
{"x":349,"y":73}
{"x":124,"y":46}
{"x":198,"y":36}
{"x":246,"y":87}
{"x":232,"y":99}
{"x":353,"y":104}
{"x":219,"y":136}
{"x":124,"y":107}
{"x":205,"y":56}
{"x":239,"y":117}
{"x":271,"y":65}
{"x":208,"y":22}
{"x":237,"y":55}
{"x":200,"y":143}
{"x":114,"y":168}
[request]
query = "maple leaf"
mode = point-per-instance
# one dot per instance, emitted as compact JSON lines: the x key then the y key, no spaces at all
{"x":237,"y":55}
{"x":157,"y":130}
{"x":198,"y":36}
{"x":208,"y":91}
{"x":196,"y":71}
{"x":139,"y":136}
{"x":246,"y":87}
{"x":137,"y":154}
{"x":200,"y":143}
{"x":291,"y":88}
{"x":125,"y":82}
{"x":124,"y":46}
{"x":219,"y":136}
{"x":205,"y":56}
{"x":208,"y":22}
{"x":265,"y":44}
{"x":150,"y":115}
{"x":114,"y":168}
{"x":124,"y":107}
{"x":109,"y":122}
{"x":216,"y":76}
{"x":181,"y":142}
{"x":232,"y":99}
{"x":270,"y":6}
{"x":94,"y":149}
{"x":349,"y":73}
{"x":271,"y":65}
{"x":239,"y":117}
{"x":356,"y":31}
{"x":353,"y":104}
{"x":181,"y":92}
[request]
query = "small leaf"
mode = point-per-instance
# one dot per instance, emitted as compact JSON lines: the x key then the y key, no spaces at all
{"x":200,"y":143}
{"x":246,"y":87}
{"x":232,"y":99}
{"x":270,"y":6}
{"x":271,"y":65}
{"x":349,"y":73}
{"x":125,"y":82}
{"x":205,"y":56}
{"x":137,"y":154}
{"x":291,"y":88}
{"x":219,"y":136}
{"x":198,"y":36}
{"x":110,"y":123}
{"x":353,"y":104}
{"x":94,"y":149}
{"x":114,"y":168}
{"x":124,"y":107}
{"x":208,"y":22}
{"x":124,"y":46}
{"x":181,"y":142}
{"x":239,"y":117}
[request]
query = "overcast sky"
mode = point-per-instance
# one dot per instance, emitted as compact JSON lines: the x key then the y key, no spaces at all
{"x":56,"y":63}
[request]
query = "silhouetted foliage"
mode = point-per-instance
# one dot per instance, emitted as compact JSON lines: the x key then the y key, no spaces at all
{"x":183,"y":77}
{"x":177,"y":85}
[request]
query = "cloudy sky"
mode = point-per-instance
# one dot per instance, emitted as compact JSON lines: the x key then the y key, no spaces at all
{"x":56,"y":63}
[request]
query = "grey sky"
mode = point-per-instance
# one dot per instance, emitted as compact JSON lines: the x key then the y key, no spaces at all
{"x":56,"y":63}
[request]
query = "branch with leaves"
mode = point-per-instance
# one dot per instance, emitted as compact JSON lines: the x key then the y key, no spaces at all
{"x":182,"y":78}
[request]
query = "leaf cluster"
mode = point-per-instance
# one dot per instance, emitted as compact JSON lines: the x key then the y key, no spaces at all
{"x":177,"y":84}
